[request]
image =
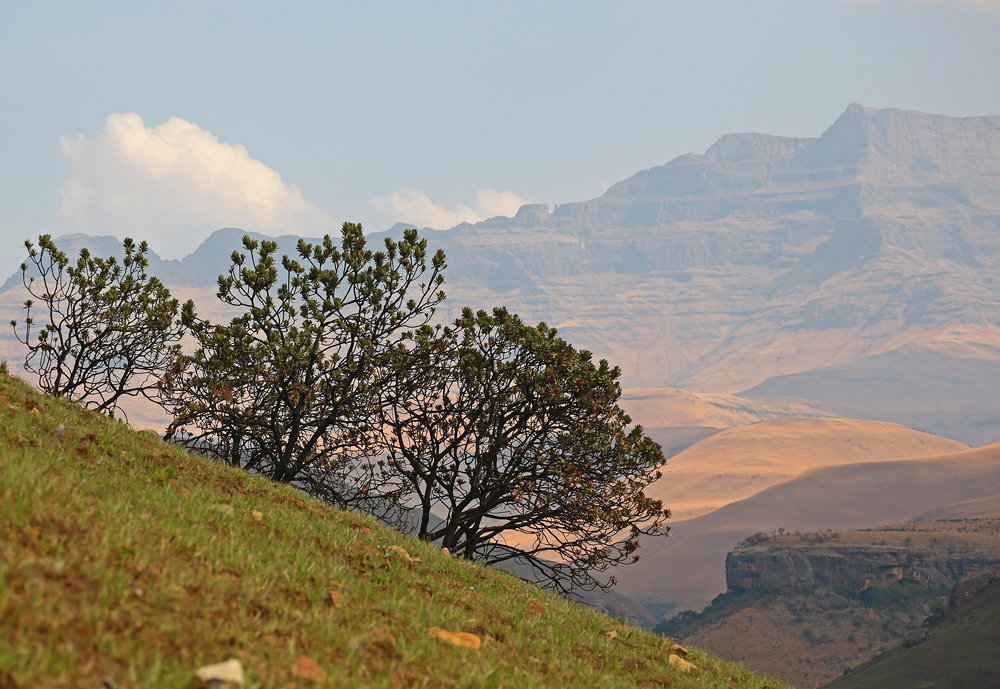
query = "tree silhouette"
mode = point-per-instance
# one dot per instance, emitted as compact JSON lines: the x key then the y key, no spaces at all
{"x":511,"y":444}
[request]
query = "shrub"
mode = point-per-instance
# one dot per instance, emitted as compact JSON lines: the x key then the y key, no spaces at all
{"x":110,"y":330}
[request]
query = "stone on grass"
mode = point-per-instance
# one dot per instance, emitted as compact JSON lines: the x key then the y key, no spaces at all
{"x":227,"y":675}
{"x":679,"y":663}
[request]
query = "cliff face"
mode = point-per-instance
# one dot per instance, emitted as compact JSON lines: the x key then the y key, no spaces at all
{"x":780,"y":570}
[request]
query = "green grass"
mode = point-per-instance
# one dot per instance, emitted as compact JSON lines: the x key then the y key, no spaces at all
{"x":962,"y":652}
{"x":119,"y":558}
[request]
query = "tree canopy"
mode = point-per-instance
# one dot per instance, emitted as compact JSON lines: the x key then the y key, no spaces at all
{"x":291,"y":386}
{"x":110,"y":331}
{"x":511,"y":444}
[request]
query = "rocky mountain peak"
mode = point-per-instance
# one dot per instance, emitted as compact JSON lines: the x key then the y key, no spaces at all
{"x":883,"y":147}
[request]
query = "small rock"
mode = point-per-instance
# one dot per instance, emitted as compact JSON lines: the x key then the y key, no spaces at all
{"x":227,"y":675}
{"x":60,"y":431}
{"x":396,"y":551}
{"x":676,"y":649}
{"x":460,"y":639}
{"x":337,"y":599}
{"x":35,"y":411}
{"x":836,"y":600}
{"x":679,"y":663}
{"x":257,"y":516}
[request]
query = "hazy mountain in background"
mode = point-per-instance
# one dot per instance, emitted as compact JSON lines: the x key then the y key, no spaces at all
{"x":858,"y":270}
{"x":861,"y":265}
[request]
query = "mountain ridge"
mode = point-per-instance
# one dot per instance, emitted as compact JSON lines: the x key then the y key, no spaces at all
{"x":764,"y":257}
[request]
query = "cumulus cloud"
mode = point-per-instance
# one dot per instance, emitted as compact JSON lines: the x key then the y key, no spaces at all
{"x":173,"y":185}
{"x":991,"y":7}
{"x":414,"y":206}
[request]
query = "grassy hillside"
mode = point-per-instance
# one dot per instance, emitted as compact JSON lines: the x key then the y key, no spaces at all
{"x":123,"y":558}
{"x":961,"y":652}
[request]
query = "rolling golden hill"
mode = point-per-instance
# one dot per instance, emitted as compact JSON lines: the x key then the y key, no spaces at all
{"x":736,"y":463}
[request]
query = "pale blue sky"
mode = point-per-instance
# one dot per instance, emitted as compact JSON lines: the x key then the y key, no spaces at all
{"x":354,"y":102}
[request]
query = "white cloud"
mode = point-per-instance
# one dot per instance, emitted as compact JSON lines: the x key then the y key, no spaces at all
{"x":413,"y":206}
{"x":174,"y":184}
{"x":991,"y":7}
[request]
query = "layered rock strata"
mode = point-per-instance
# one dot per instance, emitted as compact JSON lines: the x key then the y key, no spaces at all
{"x":860,"y":567}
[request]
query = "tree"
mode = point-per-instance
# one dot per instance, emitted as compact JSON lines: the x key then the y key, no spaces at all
{"x":111,"y":330}
{"x":512,"y":446}
{"x":291,"y":387}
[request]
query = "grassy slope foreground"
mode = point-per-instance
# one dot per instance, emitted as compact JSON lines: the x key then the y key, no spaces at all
{"x":123,"y":557}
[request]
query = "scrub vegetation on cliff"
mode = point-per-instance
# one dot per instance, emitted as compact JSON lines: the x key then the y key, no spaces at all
{"x":125,"y":558}
{"x":960,"y":651}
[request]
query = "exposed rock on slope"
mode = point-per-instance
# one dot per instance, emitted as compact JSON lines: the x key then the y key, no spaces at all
{"x":802,"y":607}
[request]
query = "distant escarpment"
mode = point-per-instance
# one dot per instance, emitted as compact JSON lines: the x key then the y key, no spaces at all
{"x":784,"y":570}
{"x":932,"y":553}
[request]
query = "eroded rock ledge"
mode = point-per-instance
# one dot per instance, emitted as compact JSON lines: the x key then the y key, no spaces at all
{"x":785,"y":569}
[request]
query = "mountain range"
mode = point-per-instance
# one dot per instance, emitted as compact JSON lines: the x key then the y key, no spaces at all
{"x":858,"y":270}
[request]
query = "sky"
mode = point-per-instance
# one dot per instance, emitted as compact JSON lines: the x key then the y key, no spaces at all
{"x":167,"y":121}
